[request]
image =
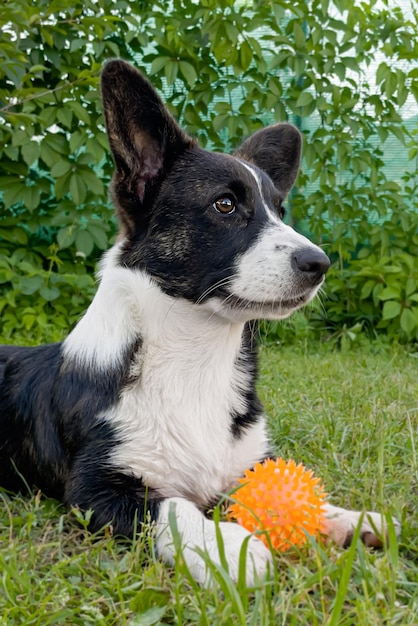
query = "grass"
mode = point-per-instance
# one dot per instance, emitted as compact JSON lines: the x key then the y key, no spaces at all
{"x":351,"y":417}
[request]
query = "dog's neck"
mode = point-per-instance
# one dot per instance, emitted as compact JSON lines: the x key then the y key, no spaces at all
{"x":129,"y":309}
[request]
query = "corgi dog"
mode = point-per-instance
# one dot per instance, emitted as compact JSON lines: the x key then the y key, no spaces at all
{"x":148,"y":409}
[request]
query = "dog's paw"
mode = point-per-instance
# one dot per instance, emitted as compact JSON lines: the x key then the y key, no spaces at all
{"x":258,"y":559}
{"x":201,"y":546}
{"x":340,"y":526}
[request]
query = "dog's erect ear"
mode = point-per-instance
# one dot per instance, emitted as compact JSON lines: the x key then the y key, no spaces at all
{"x":276,"y":150}
{"x":144,"y":138}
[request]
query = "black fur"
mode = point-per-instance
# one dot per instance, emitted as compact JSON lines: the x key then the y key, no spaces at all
{"x":247,"y":361}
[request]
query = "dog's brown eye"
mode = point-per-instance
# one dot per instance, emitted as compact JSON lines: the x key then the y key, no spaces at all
{"x":224,"y":205}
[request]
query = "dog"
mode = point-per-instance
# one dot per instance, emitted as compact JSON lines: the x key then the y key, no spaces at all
{"x":148,"y":409}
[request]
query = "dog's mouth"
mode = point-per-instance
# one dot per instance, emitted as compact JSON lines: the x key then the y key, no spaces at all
{"x":277,"y":308}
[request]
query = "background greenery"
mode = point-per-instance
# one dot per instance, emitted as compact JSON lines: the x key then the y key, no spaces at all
{"x":340,"y":70}
{"x":345,"y":75}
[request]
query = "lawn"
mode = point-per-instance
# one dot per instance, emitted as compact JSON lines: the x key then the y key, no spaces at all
{"x":351,"y":417}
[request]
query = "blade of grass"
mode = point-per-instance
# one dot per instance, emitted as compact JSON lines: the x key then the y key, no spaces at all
{"x":347,"y":567}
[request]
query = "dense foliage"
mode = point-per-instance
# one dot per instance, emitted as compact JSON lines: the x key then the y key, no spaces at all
{"x":226,"y":68}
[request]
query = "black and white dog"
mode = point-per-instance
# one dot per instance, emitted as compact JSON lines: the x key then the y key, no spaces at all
{"x":149,"y":407}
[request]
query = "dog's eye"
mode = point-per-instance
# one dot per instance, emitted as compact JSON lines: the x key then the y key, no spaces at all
{"x":225,"y":205}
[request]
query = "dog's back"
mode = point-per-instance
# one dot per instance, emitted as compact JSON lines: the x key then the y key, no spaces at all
{"x":6,"y":353}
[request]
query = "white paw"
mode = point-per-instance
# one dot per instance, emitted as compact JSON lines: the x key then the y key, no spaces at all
{"x":258,"y":557}
{"x":200,"y":547}
{"x":341,"y":524}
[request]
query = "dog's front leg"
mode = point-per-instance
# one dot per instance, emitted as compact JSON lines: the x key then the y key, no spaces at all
{"x":341,"y":524}
{"x":195,"y":533}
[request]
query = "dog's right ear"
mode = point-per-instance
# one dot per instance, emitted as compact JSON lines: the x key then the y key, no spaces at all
{"x":276,"y":150}
{"x":144,"y":139}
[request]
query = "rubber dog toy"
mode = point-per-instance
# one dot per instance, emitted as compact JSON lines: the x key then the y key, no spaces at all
{"x":283,"y":501}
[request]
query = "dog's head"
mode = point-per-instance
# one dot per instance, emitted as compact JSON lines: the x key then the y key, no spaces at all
{"x":205,"y":226}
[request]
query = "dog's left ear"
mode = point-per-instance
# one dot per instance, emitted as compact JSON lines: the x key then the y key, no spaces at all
{"x":276,"y":150}
{"x":144,"y":138}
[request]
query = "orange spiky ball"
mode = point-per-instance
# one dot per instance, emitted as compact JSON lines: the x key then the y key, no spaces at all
{"x":281,"y":498}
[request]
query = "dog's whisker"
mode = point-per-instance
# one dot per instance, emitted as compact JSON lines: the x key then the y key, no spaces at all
{"x":223,"y":282}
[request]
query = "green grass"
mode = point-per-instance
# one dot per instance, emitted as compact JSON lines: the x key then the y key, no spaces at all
{"x":351,"y":417}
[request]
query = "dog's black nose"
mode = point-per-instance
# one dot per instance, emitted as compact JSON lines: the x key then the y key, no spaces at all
{"x":311,"y":261}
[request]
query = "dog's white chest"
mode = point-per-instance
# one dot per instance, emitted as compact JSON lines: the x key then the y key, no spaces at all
{"x":175,"y":423}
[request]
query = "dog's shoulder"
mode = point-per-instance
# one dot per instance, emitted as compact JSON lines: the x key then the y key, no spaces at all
{"x":51,"y":396}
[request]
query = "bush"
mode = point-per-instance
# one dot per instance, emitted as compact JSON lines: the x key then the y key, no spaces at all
{"x":226,"y":68}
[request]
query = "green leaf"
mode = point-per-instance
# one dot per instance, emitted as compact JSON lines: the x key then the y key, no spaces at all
{"x":150,"y":604}
{"x":299,"y":35}
{"x":19,"y":234}
{"x":304,"y":99}
{"x":65,"y":116}
{"x":31,"y":197}
{"x":30,"y":284}
{"x":382,"y":72}
{"x":351,"y":62}
{"x":77,"y":189}
{"x":398,"y":132}
{"x":80,"y":112}
{"x":411,"y":286}
{"x":78,"y":139}
{"x":95,"y":149}
{"x":84,"y":242}
{"x":275,"y":87}
{"x":390,"y":84}
{"x":367,"y":289}
{"x":99,"y":236}
{"x":50,"y":293}
{"x":246,"y":55}
{"x":91,"y":181}
{"x":31,"y":152}
{"x":408,"y":321}
{"x":158,"y":64}
{"x":390,"y":293}
{"x":149,"y":617}
{"x":66,"y":237}
{"x":391,"y":309}
{"x":188,"y":72}
{"x":57,"y":142}
{"x":171,"y":69}
{"x":61,"y":168}
{"x":28,"y":320}
{"x":62,"y":185}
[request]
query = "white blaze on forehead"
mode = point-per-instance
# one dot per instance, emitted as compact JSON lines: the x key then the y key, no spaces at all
{"x":257,"y":179}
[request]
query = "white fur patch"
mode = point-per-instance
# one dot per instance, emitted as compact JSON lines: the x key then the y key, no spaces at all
{"x":273,"y":218}
{"x":112,"y":320}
